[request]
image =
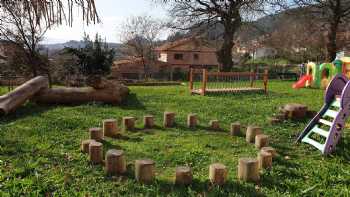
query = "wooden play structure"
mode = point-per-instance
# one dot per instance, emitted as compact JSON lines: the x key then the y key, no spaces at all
{"x":203,"y":82}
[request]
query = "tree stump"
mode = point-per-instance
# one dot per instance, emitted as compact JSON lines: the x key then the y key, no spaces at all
{"x":85,"y":145}
{"x":183,"y":175}
{"x":96,"y":152}
{"x":295,"y":110}
{"x":148,"y":121}
{"x":248,"y":170}
{"x":169,"y":119}
{"x":261,"y":140}
{"x":252,"y":131}
{"x":218,"y":174}
{"x":265,"y":159}
{"x":129,"y":123}
{"x":270,"y":150}
{"x":144,"y":171}
{"x":115,"y":162}
{"x":110,"y":128}
{"x":235,"y":129}
{"x":96,"y":134}
{"x":192,"y":120}
{"x":214,"y":125}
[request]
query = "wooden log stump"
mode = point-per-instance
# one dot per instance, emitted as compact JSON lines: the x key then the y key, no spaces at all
{"x":115,"y":162}
{"x":110,"y":128}
{"x":169,"y":119}
{"x":270,"y":150}
{"x":192,"y":120}
{"x":265,"y":159}
{"x":144,"y":171}
{"x":183,"y":175}
{"x":218,"y":174}
{"x":129,"y":123}
{"x":248,"y":170}
{"x":261,"y":141}
{"x":235,"y":129}
{"x":96,"y":134}
{"x":295,"y":110}
{"x":96,"y":152}
{"x":148,"y":121}
{"x":214,"y":125}
{"x":85,"y":145}
{"x":251,"y":132}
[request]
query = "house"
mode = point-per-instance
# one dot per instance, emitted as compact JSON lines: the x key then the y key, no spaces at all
{"x":186,"y":53}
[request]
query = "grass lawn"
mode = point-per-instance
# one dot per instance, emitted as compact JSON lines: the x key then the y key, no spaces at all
{"x":40,"y":155}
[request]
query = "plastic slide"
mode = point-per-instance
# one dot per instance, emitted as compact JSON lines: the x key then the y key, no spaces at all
{"x":302,"y":81}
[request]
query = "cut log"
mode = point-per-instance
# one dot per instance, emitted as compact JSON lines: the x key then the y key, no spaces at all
{"x":115,"y":162}
{"x":129,"y":123}
{"x":96,"y":134}
{"x":96,"y":152}
{"x":261,"y":141}
{"x":265,"y":159}
{"x":248,"y":170}
{"x":110,"y":128}
{"x":85,"y":145}
{"x":295,"y":110}
{"x":270,"y":150}
{"x":235,"y":129}
{"x":114,"y":93}
{"x":192,"y":120}
{"x":214,"y":125}
{"x":11,"y":101}
{"x":148,"y":121}
{"x":169,"y":119}
{"x":144,"y":171}
{"x":183,"y":175}
{"x":217,"y":174}
{"x":252,"y":131}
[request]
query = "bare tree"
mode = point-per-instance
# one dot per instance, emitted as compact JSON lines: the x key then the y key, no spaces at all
{"x":331,"y":14}
{"x":139,"y":35}
{"x":189,"y":14}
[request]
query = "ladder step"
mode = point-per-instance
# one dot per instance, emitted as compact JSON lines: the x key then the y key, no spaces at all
{"x":326,"y":122}
{"x":320,"y":132}
{"x":336,"y":103}
{"x":331,"y":113}
{"x":314,"y":143}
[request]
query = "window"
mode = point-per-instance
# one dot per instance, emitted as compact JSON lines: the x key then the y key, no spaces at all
{"x":195,"y":56}
{"x":178,"y":56}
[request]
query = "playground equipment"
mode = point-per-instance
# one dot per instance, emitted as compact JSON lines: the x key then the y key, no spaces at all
{"x":324,"y":130}
{"x":319,"y":76}
{"x":203,"y":82}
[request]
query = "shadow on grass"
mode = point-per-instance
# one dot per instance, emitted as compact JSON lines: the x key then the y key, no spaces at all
{"x":132,"y":102}
{"x":342,"y":149}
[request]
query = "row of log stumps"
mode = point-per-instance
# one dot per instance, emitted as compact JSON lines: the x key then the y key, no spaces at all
{"x":115,"y":162}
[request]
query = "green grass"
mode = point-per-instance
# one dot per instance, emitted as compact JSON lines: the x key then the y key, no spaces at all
{"x":39,"y":147}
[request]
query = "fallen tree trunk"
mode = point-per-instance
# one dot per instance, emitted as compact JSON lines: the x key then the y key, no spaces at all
{"x":113,"y":93}
{"x":21,"y":94}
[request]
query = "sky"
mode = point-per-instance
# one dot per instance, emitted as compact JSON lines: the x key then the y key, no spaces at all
{"x":112,"y":14}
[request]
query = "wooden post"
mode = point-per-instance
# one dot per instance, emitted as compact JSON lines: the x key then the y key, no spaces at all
{"x":261,"y":140}
{"x":192,"y":120}
{"x":96,"y":134}
{"x":204,"y":82}
{"x":85,"y":145}
{"x":110,"y":128}
{"x":148,"y":121}
{"x":235,"y":129}
{"x":252,"y":131}
{"x":183,"y":175}
{"x":115,"y":162}
{"x":169,"y":119}
{"x":266,"y":79}
{"x":252,"y":76}
{"x":270,"y":150}
{"x":96,"y":152}
{"x":144,"y":171}
{"x":265,"y":159}
{"x":248,"y":170}
{"x":129,"y":123}
{"x":191,"y":80}
{"x":214,"y":125}
{"x":218,"y":174}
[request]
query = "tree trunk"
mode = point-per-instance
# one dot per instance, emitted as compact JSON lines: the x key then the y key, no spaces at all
{"x":225,"y":53}
{"x":332,"y":41}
